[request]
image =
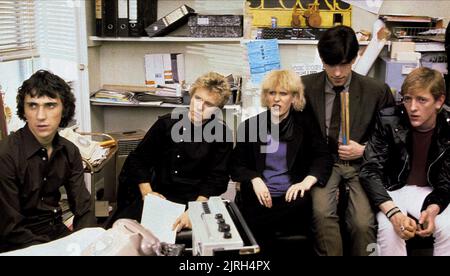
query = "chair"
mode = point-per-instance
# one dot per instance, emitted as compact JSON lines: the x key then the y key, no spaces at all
{"x":112,"y":143}
{"x":101,"y":207}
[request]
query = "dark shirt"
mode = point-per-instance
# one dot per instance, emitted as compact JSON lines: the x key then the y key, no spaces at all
{"x":421,"y":142}
{"x":29,"y":189}
{"x":184,"y":167}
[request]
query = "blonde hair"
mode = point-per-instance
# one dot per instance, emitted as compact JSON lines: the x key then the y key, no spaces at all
{"x":286,"y":79}
{"x":214,"y":83}
{"x":424,"y":78}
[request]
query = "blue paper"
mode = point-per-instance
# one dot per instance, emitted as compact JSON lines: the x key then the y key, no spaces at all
{"x":263,"y":57}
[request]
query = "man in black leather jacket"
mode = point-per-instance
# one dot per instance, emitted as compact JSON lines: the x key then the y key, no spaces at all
{"x":406,"y":168}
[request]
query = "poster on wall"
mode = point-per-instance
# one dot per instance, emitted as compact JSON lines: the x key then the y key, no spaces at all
{"x":300,"y":13}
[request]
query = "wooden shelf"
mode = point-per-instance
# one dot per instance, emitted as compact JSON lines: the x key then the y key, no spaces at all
{"x":167,"y":39}
{"x":164,"y":105}
{"x":202,"y":40}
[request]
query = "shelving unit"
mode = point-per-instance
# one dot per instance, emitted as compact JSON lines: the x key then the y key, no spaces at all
{"x":164,"y":105}
{"x":202,"y":40}
{"x":166,"y":39}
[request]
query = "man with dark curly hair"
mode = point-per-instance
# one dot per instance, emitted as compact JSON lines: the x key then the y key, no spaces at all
{"x":35,"y":162}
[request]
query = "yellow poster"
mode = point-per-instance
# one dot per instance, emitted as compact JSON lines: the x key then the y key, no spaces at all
{"x":300,"y":13}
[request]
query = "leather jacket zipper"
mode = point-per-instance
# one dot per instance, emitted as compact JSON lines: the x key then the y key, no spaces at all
{"x":432,"y":163}
{"x":404,"y":166}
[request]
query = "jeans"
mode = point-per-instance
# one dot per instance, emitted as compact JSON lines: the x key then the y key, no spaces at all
{"x":410,"y":199}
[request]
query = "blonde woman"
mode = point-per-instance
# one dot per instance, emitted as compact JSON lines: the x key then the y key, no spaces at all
{"x":280,"y":154}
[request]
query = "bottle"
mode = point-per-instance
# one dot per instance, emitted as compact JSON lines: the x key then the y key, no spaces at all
{"x":274,"y":22}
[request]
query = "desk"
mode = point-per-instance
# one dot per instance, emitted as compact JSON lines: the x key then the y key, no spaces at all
{"x":101,"y":208}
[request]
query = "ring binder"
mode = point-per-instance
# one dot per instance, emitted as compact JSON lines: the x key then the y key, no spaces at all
{"x":122,"y":18}
{"x":142,"y":13}
{"x":170,"y":22}
{"x":110,"y":20}
{"x":99,"y":17}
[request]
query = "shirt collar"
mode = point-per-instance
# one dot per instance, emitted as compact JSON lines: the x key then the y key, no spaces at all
{"x":329,"y":85}
{"x":32,"y":145}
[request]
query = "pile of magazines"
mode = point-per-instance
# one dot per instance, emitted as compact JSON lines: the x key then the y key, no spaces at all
{"x":135,"y":95}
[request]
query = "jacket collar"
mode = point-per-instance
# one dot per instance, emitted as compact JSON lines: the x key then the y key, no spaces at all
{"x":318,"y":101}
{"x":442,"y":126}
{"x":293,"y":142}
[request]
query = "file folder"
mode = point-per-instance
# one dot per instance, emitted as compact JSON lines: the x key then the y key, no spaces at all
{"x":99,"y":18}
{"x":142,"y":13}
{"x":122,"y":18}
{"x":170,"y":22}
{"x":110,"y":26}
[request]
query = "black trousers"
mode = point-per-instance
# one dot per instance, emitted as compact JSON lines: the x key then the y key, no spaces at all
{"x":132,"y":211}
{"x":47,"y":228}
{"x":283,"y":219}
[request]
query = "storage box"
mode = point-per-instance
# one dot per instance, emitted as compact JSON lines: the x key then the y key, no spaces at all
{"x":215,"y":25}
{"x":394,"y":72}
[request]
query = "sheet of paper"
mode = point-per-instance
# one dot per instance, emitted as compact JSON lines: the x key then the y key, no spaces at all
{"x":72,"y":245}
{"x":372,"y":6}
{"x":263,"y":57}
{"x":159,"y":215}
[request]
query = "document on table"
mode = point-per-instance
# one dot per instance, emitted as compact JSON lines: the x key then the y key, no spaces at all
{"x":159,"y":215}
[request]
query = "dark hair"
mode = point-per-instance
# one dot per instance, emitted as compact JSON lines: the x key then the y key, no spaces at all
{"x":43,"y":83}
{"x":338,"y":45}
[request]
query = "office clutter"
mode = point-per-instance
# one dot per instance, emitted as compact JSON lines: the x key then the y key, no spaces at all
{"x":414,"y":28}
{"x":92,"y":152}
{"x":415,"y":41}
{"x":379,"y":40}
{"x":136,"y":18}
{"x":139,"y":95}
{"x":124,"y":18}
{"x":165,"y":70}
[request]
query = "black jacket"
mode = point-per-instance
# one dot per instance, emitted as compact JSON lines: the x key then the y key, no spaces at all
{"x":386,"y":163}
{"x":180,"y":170}
{"x":307,"y":153}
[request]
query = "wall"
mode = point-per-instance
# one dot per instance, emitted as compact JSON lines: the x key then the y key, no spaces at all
{"x":362,"y":19}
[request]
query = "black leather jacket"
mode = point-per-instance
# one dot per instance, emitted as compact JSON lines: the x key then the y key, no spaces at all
{"x":386,"y":164}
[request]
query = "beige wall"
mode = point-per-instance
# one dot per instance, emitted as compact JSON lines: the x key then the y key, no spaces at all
{"x":123,"y":62}
{"x":362,"y":19}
